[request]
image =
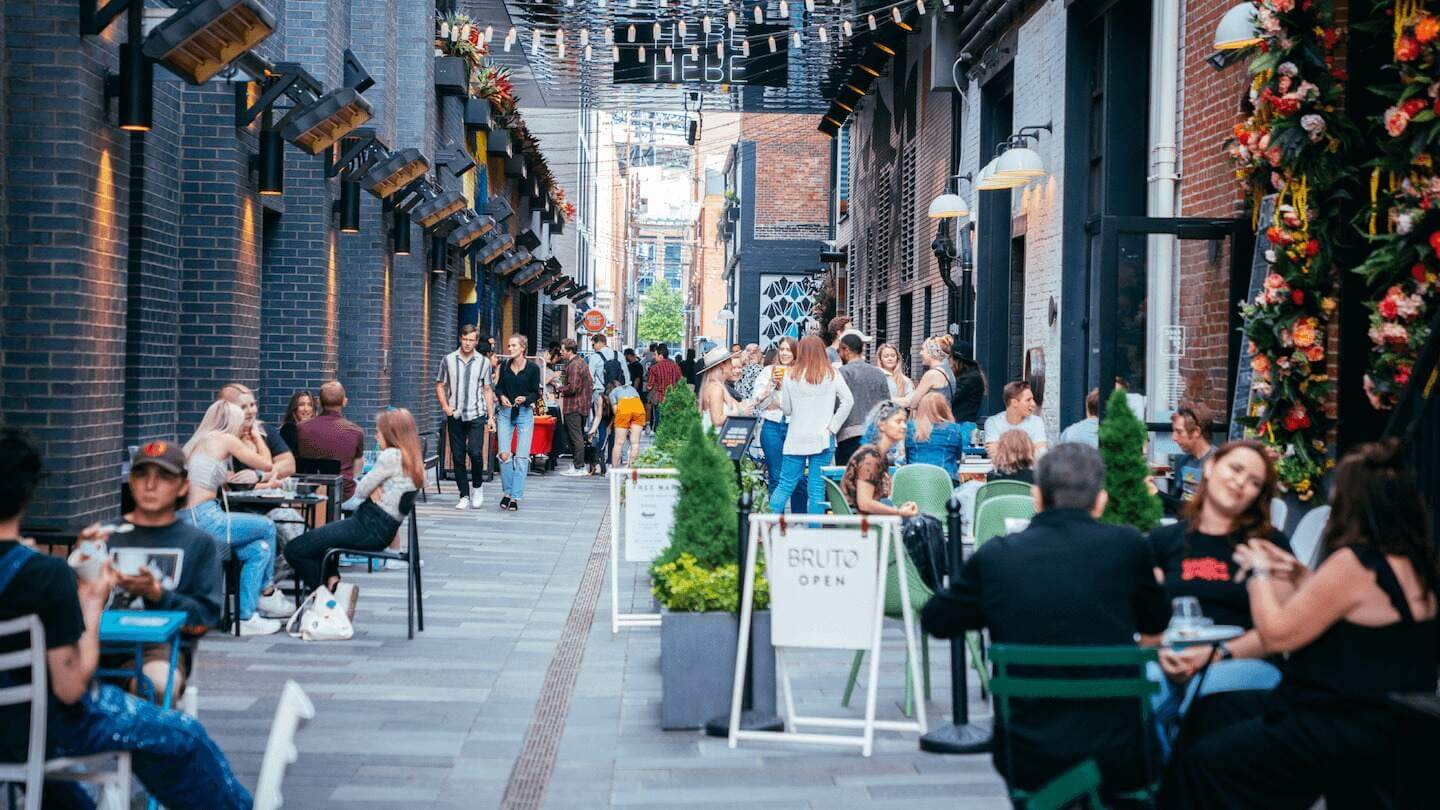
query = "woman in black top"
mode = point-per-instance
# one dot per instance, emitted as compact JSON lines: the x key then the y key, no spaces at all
{"x":301,"y":408}
{"x":969,"y":385}
{"x":517,"y":390}
{"x":1359,"y":629}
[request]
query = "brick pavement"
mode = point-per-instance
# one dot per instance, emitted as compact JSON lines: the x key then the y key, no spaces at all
{"x":439,"y":722}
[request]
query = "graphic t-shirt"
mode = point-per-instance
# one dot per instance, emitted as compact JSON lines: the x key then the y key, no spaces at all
{"x":1199,"y":565}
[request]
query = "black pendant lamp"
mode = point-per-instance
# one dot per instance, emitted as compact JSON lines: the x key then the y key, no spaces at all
{"x":402,"y":233}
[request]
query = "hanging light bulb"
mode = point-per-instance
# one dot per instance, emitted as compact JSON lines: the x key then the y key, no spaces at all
{"x":784,"y":9}
{"x":682,"y":28}
{"x":642,"y":53}
{"x":694,"y":51}
{"x":615,"y":52}
{"x":535,"y":41}
{"x":810,"y":5}
{"x":630,"y":33}
{"x":634,"y":3}
{"x":745,"y":48}
{"x":589,"y":55}
{"x":895,"y":12}
{"x":847,"y":28}
{"x":508,"y":43}
{"x":669,"y":54}
{"x":662,"y":3}
{"x":822,"y":34}
{"x":795,"y":38}
{"x":512,"y":34}
{"x":720,"y":49}
{"x":655,"y":32}
{"x":570,"y":2}
{"x":759,"y":13}
{"x":730,"y":18}
{"x":772,"y":44}
{"x":560,"y":43}
{"x":920,"y":7}
{"x":705,"y":24}
{"x":489,"y":32}
{"x":871,"y":20}
{"x":584,"y":37}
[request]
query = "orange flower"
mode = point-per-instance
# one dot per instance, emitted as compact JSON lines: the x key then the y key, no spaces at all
{"x":1427,"y":29}
{"x":1314,"y":353}
{"x":1305,"y":332}
{"x":1260,"y":364}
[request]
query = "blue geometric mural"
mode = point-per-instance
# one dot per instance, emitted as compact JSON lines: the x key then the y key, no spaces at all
{"x":785,"y":302}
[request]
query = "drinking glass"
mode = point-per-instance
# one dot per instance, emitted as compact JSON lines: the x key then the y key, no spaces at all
{"x":1185,"y":613}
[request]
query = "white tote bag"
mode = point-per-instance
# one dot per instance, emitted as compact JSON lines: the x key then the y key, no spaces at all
{"x":320,"y":618}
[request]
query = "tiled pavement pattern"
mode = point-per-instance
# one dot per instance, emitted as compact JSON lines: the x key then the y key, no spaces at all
{"x":439,"y":722}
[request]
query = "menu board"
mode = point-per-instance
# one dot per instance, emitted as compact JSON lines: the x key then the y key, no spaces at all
{"x":735,"y":435}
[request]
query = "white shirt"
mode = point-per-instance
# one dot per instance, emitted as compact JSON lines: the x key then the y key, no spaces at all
{"x":997,"y":426}
{"x":814,"y":416}
{"x":764,"y":388}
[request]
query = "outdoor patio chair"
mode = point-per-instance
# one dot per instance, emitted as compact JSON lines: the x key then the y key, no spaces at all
{"x":994,"y":503}
{"x":111,"y":771}
{"x":431,"y":460}
{"x":925,"y":484}
{"x":920,"y":595}
{"x":1305,"y":542}
{"x":280,"y":750}
{"x":414,"y":603}
{"x":1080,"y":782}
{"x":838,"y":504}
{"x":1104,"y":662}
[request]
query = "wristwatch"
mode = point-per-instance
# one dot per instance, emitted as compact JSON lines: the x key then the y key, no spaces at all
{"x":1224,"y":651}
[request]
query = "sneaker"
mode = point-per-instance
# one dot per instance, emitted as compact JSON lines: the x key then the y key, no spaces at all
{"x":463,"y":503}
{"x":574,"y":472}
{"x":258,"y":625}
{"x":275,"y":605}
{"x":477,"y":498}
{"x":505,"y":503}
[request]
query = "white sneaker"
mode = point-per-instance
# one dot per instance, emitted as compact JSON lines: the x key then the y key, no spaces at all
{"x":463,"y":503}
{"x":573,"y":472}
{"x":477,"y":498}
{"x":274,"y":605}
{"x":258,"y":625}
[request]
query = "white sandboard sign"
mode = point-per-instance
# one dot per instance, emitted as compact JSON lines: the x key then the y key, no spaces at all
{"x":822,"y":589}
{"x":642,"y":504}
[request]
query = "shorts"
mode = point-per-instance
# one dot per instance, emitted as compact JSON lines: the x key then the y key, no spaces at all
{"x":629,"y":412}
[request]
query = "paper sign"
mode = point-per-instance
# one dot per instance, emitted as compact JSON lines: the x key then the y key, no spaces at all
{"x":823,"y":586}
{"x":649,"y":515}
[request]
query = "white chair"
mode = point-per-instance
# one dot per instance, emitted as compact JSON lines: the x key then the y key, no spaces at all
{"x":280,"y":750}
{"x":111,"y":771}
{"x":1306,"y":540}
{"x":1278,"y":512}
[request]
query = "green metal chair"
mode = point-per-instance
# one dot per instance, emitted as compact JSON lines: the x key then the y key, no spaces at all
{"x":925,"y":484}
{"x":838,"y":504}
{"x":1080,"y":782}
{"x":1007,"y":685}
{"x":920,"y":594}
{"x":994,"y":506}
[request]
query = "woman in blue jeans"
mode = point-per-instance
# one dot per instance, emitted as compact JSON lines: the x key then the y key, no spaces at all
{"x":773,"y":424}
{"x":250,"y":537}
{"x":816,"y":400}
{"x":517,"y":390}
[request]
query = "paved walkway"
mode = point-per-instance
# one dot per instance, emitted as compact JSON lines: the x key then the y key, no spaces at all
{"x":498,"y":704}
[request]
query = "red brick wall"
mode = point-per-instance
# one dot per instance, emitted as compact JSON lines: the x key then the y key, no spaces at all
{"x":792,"y":176}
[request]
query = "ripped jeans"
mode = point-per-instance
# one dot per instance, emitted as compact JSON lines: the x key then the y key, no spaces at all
{"x":251,"y":538}
{"x":173,"y":757}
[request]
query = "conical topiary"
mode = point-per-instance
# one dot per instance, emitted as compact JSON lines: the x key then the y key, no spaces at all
{"x":705,"y":517}
{"x":1127,"y":471}
{"x":677,"y":413}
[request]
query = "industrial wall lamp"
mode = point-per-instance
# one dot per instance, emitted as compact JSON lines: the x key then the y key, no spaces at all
{"x":950,"y":205}
{"x":315,"y":119}
{"x":1014,"y":163}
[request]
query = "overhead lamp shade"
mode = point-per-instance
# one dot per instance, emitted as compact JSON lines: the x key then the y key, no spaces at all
{"x":557,"y":284}
{"x":499,"y":208}
{"x":1020,"y":162}
{"x":395,"y":172}
{"x":494,"y":247}
{"x":829,"y":126}
{"x":271,"y":163}
{"x":316,"y":127}
{"x":439,"y":255}
{"x":527,"y":274}
{"x":447,"y":225}
{"x":402,"y":233}
{"x":431,"y":211}
{"x":472,"y":230}
{"x":498,"y":143}
{"x":201,"y":38}
{"x":949,"y":206}
{"x":349,"y":205}
{"x":989,"y":180}
{"x":134,"y":90}
{"x":515,"y":261}
{"x":527,"y":239}
{"x":1237,"y":28}
{"x":725,"y":314}
{"x":516,"y":167}
{"x":539,"y":282}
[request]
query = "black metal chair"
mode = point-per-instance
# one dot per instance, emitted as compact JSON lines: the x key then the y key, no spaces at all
{"x":431,"y":460}
{"x":414,"y":603}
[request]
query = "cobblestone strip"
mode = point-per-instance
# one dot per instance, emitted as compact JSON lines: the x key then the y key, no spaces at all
{"x":531,"y":773}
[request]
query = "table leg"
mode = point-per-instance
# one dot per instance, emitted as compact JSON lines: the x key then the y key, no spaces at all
{"x":170,"y":676}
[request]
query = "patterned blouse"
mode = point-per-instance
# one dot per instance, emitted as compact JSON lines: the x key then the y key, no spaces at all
{"x":749,"y":375}
{"x":866,"y":465}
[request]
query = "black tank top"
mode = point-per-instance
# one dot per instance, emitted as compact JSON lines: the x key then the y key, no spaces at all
{"x":1357,"y":663}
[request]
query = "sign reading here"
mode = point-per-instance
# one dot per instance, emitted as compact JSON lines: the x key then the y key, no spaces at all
{"x":703,"y":65}
{"x":823,"y":587}
{"x":649,"y":516}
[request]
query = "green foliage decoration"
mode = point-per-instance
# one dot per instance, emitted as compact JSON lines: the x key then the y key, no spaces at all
{"x":677,"y":414}
{"x":706,"y":525}
{"x":662,"y":318}
{"x":1122,"y":446}
{"x":685,"y":586}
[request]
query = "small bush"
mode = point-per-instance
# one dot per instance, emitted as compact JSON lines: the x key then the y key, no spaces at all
{"x":684,"y":586}
{"x":677,"y":413}
{"x":1127,"y":471}
{"x":706,"y":523}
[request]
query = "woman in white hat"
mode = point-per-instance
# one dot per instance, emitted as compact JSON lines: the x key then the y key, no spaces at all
{"x":716,"y":403}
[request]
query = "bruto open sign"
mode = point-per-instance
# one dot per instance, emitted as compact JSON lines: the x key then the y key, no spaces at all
{"x":594,"y":321}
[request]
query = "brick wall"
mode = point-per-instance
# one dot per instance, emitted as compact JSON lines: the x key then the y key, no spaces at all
{"x":792,"y":188}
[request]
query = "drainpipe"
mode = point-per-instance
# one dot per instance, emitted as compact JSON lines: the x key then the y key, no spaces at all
{"x":1161,"y":184}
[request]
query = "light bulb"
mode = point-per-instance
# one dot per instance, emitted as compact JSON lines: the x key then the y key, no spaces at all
{"x":589,"y":55}
{"x":895,"y":12}
{"x":705,"y":24}
{"x":489,"y":32}
{"x":795,"y":38}
{"x":535,"y":42}
{"x":508,"y":43}
{"x":871,"y":20}
{"x":655,"y":32}
{"x":615,"y":52}
{"x":846,"y":27}
{"x":682,"y":28}
{"x":584,"y":36}
{"x":772,"y":44}
{"x":630,"y":33}
{"x":669,"y":54}
{"x":784,"y":9}
{"x":809,"y":5}
{"x":759,"y":14}
{"x":720,"y":49}
{"x":730,"y":17}
{"x":642,"y":53}
{"x":822,"y":34}
{"x":745,"y":47}
{"x":694,"y":51}
{"x":920,"y":7}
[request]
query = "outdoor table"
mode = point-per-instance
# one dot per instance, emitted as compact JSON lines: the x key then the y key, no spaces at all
{"x":304,"y":503}
{"x":1209,"y":634}
{"x":130,"y":631}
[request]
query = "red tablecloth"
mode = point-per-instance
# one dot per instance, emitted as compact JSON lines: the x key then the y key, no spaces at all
{"x":541,"y":442}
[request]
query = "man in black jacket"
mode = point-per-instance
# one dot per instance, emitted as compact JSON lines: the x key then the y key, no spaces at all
{"x":1069,"y":580}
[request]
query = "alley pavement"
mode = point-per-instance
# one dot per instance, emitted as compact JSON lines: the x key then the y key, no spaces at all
{"x":517,"y":695}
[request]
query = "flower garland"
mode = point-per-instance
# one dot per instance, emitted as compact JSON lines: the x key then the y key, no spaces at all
{"x":1291,"y":145}
{"x":1402,"y":267}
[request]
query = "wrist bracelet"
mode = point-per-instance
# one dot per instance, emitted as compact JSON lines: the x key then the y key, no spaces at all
{"x":1259,"y":573}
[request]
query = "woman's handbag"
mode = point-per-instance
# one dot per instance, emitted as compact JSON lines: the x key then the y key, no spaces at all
{"x":320,"y":618}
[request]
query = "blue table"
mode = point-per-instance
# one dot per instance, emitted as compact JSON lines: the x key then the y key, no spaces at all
{"x":130,"y":631}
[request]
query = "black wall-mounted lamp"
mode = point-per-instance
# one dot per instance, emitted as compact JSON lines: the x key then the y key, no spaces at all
{"x":402,"y":233}
{"x":456,"y":158}
{"x":392,"y":173}
{"x":269,"y":163}
{"x":429,"y":213}
{"x":439,"y":255}
{"x":348,"y":206}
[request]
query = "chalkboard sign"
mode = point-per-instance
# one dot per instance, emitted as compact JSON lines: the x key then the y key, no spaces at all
{"x":735,"y":435}
{"x":1259,"y":269}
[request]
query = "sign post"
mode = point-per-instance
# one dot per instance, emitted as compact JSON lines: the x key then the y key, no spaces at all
{"x":827,"y":590}
{"x":644,"y":499}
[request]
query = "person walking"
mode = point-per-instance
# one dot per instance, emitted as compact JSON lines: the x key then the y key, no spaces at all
{"x":870,"y":387}
{"x":808,"y":396}
{"x":516,"y":392}
{"x":663,"y":374}
{"x":463,"y":389}
{"x":577,"y":392}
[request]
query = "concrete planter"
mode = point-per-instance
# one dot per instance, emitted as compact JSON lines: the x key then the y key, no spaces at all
{"x":697,"y":666}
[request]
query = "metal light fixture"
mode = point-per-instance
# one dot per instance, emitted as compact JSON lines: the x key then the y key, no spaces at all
{"x":457,"y":159}
{"x":348,"y":206}
{"x":201,"y":38}
{"x":1237,"y":28}
{"x":470,"y":231}
{"x":393,"y":173}
{"x":725,"y":314}
{"x":493,"y":247}
{"x":439,"y":255}
{"x":950,"y":205}
{"x":1019,"y":161}
{"x":401,"y":233}
{"x":988,"y":180}
{"x":270,"y":163}
{"x":316,"y":126}
{"x":431,"y":211}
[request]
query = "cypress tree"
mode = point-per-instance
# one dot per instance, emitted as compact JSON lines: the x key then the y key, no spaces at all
{"x":677,"y":413}
{"x":1122,"y":446}
{"x":705,"y":517}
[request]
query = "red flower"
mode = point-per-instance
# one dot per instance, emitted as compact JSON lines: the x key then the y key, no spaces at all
{"x":1298,"y":296}
{"x":1286,"y":106}
{"x":1414,"y":106}
{"x":1339,"y":74}
{"x":1331,"y":37}
{"x":1406,"y":49}
{"x":1387,"y":308}
{"x":1435,"y":243}
{"x":1312,"y":248}
{"x":1402,"y":374}
{"x":1419,"y":273}
{"x":1314,"y":353}
{"x":1297,"y":419}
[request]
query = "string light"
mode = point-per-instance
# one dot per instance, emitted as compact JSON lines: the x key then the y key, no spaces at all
{"x":730,"y":17}
{"x":846,"y":27}
{"x":759,"y":13}
{"x":634,"y":3}
{"x":784,"y":9}
{"x":895,"y":12}
{"x":630,"y":33}
{"x":920,"y":7}
{"x":489,"y":32}
{"x":615,"y":52}
{"x":560,"y":43}
{"x":823,"y":36}
{"x":508,"y":43}
{"x":795,"y":38}
{"x":589,"y":55}
{"x":705,"y":24}
{"x":584,"y":37}
{"x":772,"y":44}
{"x":694,"y":51}
{"x":745,"y":47}
{"x":642,"y":53}
{"x":720,"y":49}
{"x":512,"y":35}
{"x":534,"y":41}
{"x":810,"y":5}
{"x":872,"y":22}
{"x":682,"y":28}
{"x":655,"y":32}
{"x":609,"y":35}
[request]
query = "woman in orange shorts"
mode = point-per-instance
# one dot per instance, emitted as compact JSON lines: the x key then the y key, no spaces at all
{"x":629,"y":418}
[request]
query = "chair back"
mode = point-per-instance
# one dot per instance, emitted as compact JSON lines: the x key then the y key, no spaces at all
{"x":1132,"y":682}
{"x":1306,"y":540}
{"x":32,"y":658}
{"x":920,"y":593}
{"x":994,"y":506}
{"x":838,"y":504}
{"x":407,"y":503}
{"x":1080,"y":782}
{"x":1279,"y":511}
{"x":925,"y":484}
{"x":317,"y":466}
{"x":280,"y":750}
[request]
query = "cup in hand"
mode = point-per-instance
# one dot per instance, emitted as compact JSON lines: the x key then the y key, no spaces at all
{"x":130,"y":561}
{"x":88,"y":559}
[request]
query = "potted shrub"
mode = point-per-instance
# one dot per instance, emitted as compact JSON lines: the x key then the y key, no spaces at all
{"x":695,"y":581}
{"x":1122,"y":446}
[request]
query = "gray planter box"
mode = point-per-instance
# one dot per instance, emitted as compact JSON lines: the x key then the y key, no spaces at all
{"x":697,"y":666}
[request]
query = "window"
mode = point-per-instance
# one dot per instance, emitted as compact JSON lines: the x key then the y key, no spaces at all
{"x":882,"y":323}
{"x":1015,"y":346}
{"x":905,"y":224}
{"x":884,"y":215}
{"x":907,"y":324}
{"x":673,"y":263}
{"x":925,"y":330}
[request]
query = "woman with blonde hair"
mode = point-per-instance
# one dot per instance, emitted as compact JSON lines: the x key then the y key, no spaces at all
{"x":808,"y":396}
{"x":937,"y":377}
{"x":932,"y":437}
{"x":888,"y":360}
{"x":516,"y":391}
{"x":1014,"y":458}
{"x":250,"y":537}
{"x":399,"y":469}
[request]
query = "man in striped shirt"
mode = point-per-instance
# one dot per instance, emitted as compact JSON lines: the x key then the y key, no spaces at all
{"x":465,"y":394}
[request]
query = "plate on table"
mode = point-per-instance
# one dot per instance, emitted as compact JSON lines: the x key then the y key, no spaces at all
{"x":1208,"y":634}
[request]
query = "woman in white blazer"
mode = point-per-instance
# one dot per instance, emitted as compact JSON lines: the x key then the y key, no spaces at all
{"x":816,"y":400}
